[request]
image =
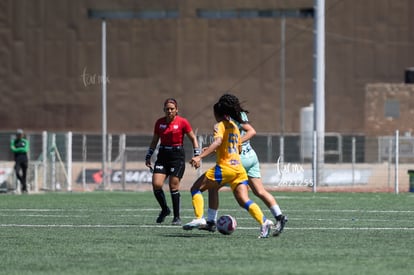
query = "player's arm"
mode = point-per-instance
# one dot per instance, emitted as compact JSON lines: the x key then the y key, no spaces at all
{"x":26,"y":146}
{"x":151,"y":149}
{"x":193,"y":138}
{"x":23,"y":149}
{"x":12,"y":147}
{"x":250,"y":131}
{"x":212,"y":148}
{"x":195,"y":161}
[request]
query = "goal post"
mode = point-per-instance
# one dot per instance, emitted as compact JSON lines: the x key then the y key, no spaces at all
{"x":52,"y":170}
{"x":126,"y":174}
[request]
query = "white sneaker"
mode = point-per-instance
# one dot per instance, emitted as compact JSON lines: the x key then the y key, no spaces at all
{"x":194,"y":224}
{"x":265,"y":229}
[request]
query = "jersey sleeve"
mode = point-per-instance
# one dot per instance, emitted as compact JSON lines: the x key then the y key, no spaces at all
{"x":23,"y":146}
{"x":157,"y":126}
{"x":186,"y":126}
{"x":244,"y":117}
{"x":219,"y":130}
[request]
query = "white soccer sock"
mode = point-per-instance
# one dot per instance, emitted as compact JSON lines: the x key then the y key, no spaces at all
{"x":212,"y":215}
{"x":275,"y":209}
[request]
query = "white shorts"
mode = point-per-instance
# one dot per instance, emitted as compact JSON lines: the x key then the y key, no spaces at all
{"x":251,"y":163}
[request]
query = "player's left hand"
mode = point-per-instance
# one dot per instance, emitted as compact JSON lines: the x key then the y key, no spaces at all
{"x":195,"y":162}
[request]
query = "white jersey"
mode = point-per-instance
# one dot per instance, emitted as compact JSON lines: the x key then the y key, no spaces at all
{"x":248,"y":155}
{"x":246,"y":147}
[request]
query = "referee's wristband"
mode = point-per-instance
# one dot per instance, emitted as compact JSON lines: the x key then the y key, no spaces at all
{"x":149,"y":153}
{"x":196,"y":152}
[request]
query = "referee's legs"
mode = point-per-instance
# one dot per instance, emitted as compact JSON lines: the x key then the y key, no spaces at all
{"x":176,"y":199}
{"x":157,"y":182}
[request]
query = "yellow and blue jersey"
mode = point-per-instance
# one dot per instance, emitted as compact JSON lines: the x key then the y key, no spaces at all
{"x":228,"y":168}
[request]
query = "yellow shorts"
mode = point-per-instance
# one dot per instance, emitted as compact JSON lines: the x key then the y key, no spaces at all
{"x":226,"y":175}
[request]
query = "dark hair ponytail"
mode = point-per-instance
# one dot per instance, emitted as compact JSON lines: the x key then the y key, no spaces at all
{"x":219,"y":110}
{"x":232,"y":106}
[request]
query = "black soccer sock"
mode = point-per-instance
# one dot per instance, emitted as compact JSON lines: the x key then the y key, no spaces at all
{"x":159,"y":195}
{"x":175,"y":197}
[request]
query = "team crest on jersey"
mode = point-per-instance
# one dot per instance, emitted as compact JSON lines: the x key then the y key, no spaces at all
{"x":175,"y":126}
{"x":163,"y":126}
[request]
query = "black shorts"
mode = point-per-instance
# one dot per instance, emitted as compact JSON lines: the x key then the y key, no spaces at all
{"x":170,"y":162}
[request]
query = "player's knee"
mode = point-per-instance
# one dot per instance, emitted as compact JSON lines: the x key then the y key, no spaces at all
{"x":195,"y":191}
{"x":259,"y":193}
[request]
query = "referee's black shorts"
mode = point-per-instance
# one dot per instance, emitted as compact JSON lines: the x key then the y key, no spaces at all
{"x":170,"y":161}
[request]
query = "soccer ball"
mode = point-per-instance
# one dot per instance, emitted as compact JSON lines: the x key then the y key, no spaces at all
{"x":226,"y":225}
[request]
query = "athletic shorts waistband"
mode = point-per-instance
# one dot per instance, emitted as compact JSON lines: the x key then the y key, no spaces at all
{"x":171,"y":147}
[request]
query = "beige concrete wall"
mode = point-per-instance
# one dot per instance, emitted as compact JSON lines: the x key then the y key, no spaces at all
{"x":50,"y":63}
{"x":376,"y":121}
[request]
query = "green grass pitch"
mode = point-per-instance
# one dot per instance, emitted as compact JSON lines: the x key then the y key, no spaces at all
{"x":115,"y":233}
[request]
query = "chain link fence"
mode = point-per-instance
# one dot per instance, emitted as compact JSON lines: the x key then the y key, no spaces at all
{"x":73,"y":161}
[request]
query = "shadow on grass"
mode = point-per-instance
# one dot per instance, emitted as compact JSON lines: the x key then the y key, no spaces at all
{"x":185,"y":235}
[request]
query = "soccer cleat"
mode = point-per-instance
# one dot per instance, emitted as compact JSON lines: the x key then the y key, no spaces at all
{"x":265,"y":229}
{"x":176,"y":221}
{"x":196,"y":223}
{"x":162,"y":215}
{"x":281,"y":221}
{"x":209,"y":226}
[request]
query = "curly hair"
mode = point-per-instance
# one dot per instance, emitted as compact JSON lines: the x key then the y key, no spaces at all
{"x":220,"y":110}
{"x":232,"y":106}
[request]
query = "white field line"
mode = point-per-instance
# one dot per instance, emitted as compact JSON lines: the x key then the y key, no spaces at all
{"x":185,"y":218}
{"x":26,"y":212}
{"x":191,"y":210}
{"x":176,"y":227}
{"x":314,"y":197}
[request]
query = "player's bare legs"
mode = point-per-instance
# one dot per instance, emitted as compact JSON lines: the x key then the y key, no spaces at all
{"x":259,"y":191}
{"x":242,"y":197}
{"x":200,"y":185}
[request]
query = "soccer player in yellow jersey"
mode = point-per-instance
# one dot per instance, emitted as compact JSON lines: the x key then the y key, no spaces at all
{"x":228,"y":170}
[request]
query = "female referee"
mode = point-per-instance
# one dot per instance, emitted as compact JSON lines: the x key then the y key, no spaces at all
{"x":170,"y":130}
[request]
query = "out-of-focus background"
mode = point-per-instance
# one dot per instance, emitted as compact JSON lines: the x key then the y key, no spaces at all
{"x":51,"y":86}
